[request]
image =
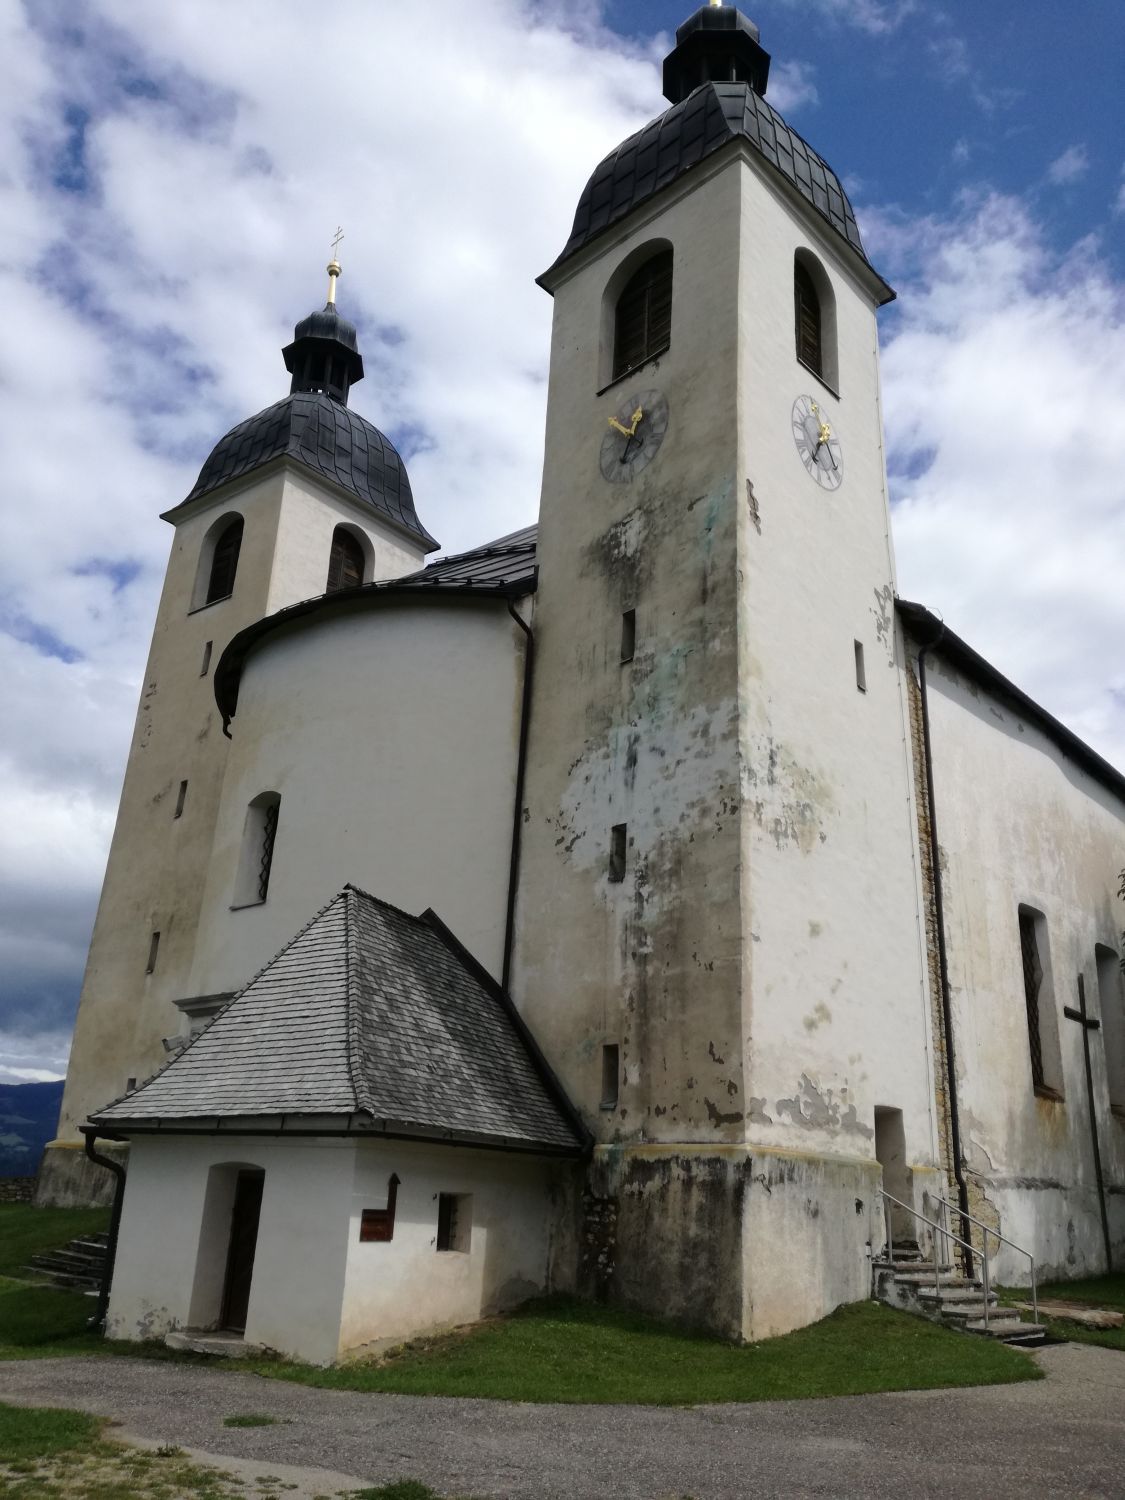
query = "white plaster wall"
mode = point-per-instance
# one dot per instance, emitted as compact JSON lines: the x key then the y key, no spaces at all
{"x":1020,"y":824}
{"x":406,"y":1287}
{"x":297,"y":1287}
{"x":309,"y":515}
{"x":836,"y":1001}
{"x":391,"y":734}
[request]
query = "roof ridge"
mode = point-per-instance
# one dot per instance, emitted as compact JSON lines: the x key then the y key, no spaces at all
{"x":351,"y":1008}
{"x":388,"y":905}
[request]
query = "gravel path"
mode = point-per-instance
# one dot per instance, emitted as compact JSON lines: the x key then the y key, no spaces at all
{"x":1061,"y":1436}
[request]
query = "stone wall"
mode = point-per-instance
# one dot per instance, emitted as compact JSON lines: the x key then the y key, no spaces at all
{"x":17,"y":1189}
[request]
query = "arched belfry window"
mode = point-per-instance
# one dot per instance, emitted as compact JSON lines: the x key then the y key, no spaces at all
{"x":224,"y":562}
{"x":814,"y":309}
{"x":643,"y":316}
{"x":345,"y":563}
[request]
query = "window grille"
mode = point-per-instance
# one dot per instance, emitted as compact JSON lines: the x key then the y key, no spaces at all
{"x":809,"y":344}
{"x":643,"y":324}
{"x":224,"y":563}
{"x":345,"y":564}
{"x":269,"y":833}
{"x":1032,"y":984}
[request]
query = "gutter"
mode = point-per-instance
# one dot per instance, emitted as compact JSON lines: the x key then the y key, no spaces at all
{"x":943,"y":957}
{"x":98,"y":1320}
{"x":517,"y":811}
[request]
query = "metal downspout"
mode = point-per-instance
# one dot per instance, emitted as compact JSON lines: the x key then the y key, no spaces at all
{"x":98,"y":1319}
{"x":517,"y":812}
{"x":943,"y":959}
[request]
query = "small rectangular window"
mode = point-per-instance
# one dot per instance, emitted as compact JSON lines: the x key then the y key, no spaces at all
{"x":628,"y":634}
{"x":153,"y":950}
{"x":610,"y":1075}
{"x":181,"y":798}
{"x":206,"y":658}
{"x":617,"y":852}
{"x":130,"y":1085}
{"x":455,"y":1221}
{"x":860,"y":670}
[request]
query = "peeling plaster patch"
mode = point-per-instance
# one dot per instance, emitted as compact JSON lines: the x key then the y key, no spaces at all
{"x":687,"y":760}
{"x":815,"y":929}
{"x":717,"y":1117}
{"x":787,"y":800}
{"x":713,"y":1055}
{"x":752,"y":506}
{"x":821,"y":1111}
{"x":756,"y":1112}
{"x":883,"y":614}
{"x":819,"y":1017}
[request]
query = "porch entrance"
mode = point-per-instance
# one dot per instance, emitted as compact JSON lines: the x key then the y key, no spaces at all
{"x":243,"y":1243}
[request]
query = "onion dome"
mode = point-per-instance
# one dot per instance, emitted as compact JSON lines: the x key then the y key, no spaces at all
{"x":314,"y":427}
{"x":715,"y":78}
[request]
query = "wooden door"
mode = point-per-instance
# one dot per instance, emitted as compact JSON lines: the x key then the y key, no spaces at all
{"x":243,"y":1243}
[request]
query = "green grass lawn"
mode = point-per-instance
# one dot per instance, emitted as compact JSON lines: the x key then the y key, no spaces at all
{"x":1094,"y":1291}
{"x":26,"y":1231}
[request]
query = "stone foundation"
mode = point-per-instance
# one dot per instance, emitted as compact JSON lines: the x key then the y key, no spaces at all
{"x":69,"y":1179}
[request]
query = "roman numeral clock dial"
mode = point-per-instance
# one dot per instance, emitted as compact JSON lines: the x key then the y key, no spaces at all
{"x":818,"y":447}
{"x":633,"y":435}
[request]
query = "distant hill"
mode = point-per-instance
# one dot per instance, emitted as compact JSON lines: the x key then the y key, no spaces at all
{"x":29,"y":1115}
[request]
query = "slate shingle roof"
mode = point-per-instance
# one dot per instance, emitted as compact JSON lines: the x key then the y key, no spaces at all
{"x":328,"y":438}
{"x":507,"y":563}
{"x":710,"y":117}
{"x":373,"y":1012}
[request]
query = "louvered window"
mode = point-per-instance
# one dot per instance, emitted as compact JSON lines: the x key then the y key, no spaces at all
{"x":345,"y":565}
{"x":224,"y":563}
{"x":643,"y":324}
{"x":809,"y":345}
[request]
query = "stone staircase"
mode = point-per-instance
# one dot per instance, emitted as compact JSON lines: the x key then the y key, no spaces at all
{"x":77,"y":1266}
{"x":908,"y":1281}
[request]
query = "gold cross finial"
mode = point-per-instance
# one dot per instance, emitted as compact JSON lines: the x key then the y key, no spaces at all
{"x":334,"y":266}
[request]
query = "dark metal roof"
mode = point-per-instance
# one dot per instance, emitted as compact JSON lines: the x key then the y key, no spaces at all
{"x":504,"y":569}
{"x":331,"y":440}
{"x":927,"y":628}
{"x":368,"y":1012}
{"x":712,"y":116}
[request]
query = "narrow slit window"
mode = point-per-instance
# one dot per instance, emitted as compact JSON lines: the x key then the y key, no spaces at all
{"x":628,"y":634}
{"x":206,"y":663}
{"x":153,"y":950}
{"x":1111,"y":1012}
{"x":611,"y":1073}
{"x":860,"y":669}
{"x":259,"y":838}
{"x":181,"y":798}
{"x":455,"y":1222}
{"x":617,"y":840}
{"x":130,"y":1085}
{"x":807,"y":308}
{"x":1042,"y":1028}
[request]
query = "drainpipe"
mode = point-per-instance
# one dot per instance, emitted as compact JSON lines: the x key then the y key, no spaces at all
{"x":98,"y":1320}
{"x":943,"y":958}
{"x":517,"y":814}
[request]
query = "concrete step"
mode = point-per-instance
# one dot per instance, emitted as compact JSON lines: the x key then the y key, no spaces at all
{"x":957,"y":1296}
{"x":1009,"y":1331}
{"x":62,"y":1260}
{"x":65,"y":1279}
{"x":926,"y":1278}
{"x":211,"y":1341}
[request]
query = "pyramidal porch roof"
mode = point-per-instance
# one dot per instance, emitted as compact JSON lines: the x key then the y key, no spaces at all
{"x":370,"y":1021}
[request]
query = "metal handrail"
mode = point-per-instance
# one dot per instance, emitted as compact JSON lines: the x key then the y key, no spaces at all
{"x":987,"y":1229}
{"x":941,"y":1229}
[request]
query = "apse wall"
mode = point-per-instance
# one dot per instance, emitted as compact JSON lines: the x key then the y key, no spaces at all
{"x":389,"y":729}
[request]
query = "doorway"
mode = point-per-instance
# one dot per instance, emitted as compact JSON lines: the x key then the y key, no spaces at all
{"x":243,"y":1243}
{"x":890,"y":1152}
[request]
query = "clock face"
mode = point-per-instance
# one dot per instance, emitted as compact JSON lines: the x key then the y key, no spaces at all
{"x":818,"y":447}
{"x":633,"y":436}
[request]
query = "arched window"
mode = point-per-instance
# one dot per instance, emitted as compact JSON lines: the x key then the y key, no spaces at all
{"x":224,"y":563}
{"x":643,"y":317}
{"x":345,"y":564}
{"x":259,"y":836}
{"x":814,"y":309}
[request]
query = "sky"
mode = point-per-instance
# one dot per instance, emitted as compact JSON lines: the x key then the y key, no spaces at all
{"x":170,"y":179}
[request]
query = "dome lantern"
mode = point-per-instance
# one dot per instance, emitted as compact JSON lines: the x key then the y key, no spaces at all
{"x":718,"y":44}
{"x":324,"y":355}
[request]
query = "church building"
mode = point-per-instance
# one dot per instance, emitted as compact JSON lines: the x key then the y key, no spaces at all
{"x":639,"y":905}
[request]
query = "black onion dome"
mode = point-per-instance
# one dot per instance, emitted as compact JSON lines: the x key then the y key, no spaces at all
{"x":324,"y":435}
{"x":327,"y":324}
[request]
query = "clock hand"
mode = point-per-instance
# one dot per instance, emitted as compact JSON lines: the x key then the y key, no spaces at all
{"x":617,"y":427}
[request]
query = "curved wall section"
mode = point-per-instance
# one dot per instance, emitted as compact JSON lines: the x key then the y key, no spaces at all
{"x":390,"y":733}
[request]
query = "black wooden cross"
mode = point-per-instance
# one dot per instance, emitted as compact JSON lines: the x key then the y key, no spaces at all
{"x":1088,"y":1024}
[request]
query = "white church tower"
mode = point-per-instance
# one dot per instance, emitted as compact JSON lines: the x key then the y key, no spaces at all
{"x":719,"y":944}
{"x":305,"y":496}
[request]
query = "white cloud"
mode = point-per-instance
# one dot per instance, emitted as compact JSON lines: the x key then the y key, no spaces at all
{"x":1066,"y":169}
{"x":877,"y":17}
{"x":792,"y":86}
{"x":1005,"y":432}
